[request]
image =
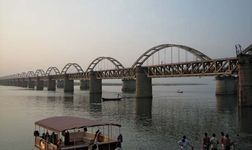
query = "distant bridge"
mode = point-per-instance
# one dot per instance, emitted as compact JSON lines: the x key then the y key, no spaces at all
{"x":185,"y":63}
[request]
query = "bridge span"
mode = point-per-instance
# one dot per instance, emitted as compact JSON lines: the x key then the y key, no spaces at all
{"x":139,"y":76}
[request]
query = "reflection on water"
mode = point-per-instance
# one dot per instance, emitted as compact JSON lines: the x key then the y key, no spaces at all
{"x":95,"y":102}
{"x":95,"y":98}
{"x":226,"y":103}
{"x":245,"y":121}
{"x":144,"y":111}
{"x":144,"y":107}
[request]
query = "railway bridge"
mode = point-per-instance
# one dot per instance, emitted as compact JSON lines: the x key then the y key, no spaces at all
{"x":161,"y":61}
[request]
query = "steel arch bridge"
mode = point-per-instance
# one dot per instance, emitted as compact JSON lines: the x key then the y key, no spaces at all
{"x":40,"y":72}
{"x":30,"y":74}
{"x":50,"y":69}
{"x":248,"y":50}
{"x":76,"y":66}
{"x":204,"y":66}
{"x":153,"y":50}
{"x":92,"y":65}
{"x":22,"y":75}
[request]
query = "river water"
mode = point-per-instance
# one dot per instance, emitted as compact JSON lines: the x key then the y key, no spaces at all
{"x":147,"y":124}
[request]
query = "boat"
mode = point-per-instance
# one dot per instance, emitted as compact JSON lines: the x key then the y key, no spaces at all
{"x":111,"y":99}
{"x":179,"y":91}
{"x":72,"y":133}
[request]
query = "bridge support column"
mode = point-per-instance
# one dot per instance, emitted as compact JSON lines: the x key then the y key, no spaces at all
{"x":40,"y":85}
{"x":24,"y":83}
{"x":60,"y":83}
{"x":129,"y":85}
{"x":51,"y":85}
{"x":95,"y":85}
{"x":245,"y":80}
{"x":16,"y":82}
{"x":226,"y":85}
{"x":19,"y":83}
{"x":31,"y":84}
{"x":68,"y":85}
{"x":143,"y":84}
{"x":84,"y":84}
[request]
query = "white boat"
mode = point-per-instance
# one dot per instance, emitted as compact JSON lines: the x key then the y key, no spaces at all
{"x":74,"y":133}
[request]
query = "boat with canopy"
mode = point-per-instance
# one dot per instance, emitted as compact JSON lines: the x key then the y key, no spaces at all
{"x":74,"y":133}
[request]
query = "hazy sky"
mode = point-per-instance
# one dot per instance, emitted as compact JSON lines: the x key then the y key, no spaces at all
{"x":37,"y":34}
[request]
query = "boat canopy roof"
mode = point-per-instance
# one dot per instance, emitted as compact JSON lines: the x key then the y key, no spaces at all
{"x":61,"y":123}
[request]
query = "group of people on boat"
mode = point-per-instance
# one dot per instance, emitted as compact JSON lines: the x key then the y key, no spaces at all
{"x":212,"y":143}
{"x":52,"y":138}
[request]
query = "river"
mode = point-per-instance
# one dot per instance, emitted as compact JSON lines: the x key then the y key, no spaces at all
{"x":147,"y":124}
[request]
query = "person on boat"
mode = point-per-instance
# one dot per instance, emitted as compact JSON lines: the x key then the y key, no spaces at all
{"x":59,"y":142}
{"x":184,"y":144}
{"x":222,"y":140}
{"x":118,"y":146}
{"x":36,"y":133}
{"x":227,"y":143}
{"x":53,"y":138}
{"x":96,"y":134}
{"x":47,"y":136}
{"x":214,"y":142}
{"x":85,"y":129}
{"x":43,"y":135}
{"x":206,"y":142}
{"x":67,"y":137}
{"x":120,"y":138}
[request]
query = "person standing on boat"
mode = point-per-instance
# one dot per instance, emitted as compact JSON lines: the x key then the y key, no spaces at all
{"x":184,"y":144}
{"x":214,"y":142}
{"x":206,"y":142}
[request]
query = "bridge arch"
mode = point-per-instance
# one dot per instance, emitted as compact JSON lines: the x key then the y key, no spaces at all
{"x":248,"y":50}
{"x":92,"y":65}
{"x":40,"y":72}
{"x":50,"y":69}
{"x":157,"y":48}
{"x":76,"y":66}
{"x":30,"y":74}
{"x":22,"y":75}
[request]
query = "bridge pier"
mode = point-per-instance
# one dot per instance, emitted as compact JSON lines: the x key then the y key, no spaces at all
{"x":51,"y":85}
{"x":245,"y":80}
{"x":40,"y":84}
{"x":60,"y":83}
{"x":129,"y":85}
{"x":226,"y":85}
{"x":68,"y":85}
{"x":15,"y":82}
{"x":95,"y":85}
{"x":31,"y":84}
{"x":24,"y":83}
{"x":84,"y":84}
{"x":19,"y":82}
{"x":143,"y":84}
{"x":10,"y":82}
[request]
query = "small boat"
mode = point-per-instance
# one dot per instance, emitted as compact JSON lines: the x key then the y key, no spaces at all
{"x":112,"y":99}
{"x":71,"y":133}
{"x":179,"y":91}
